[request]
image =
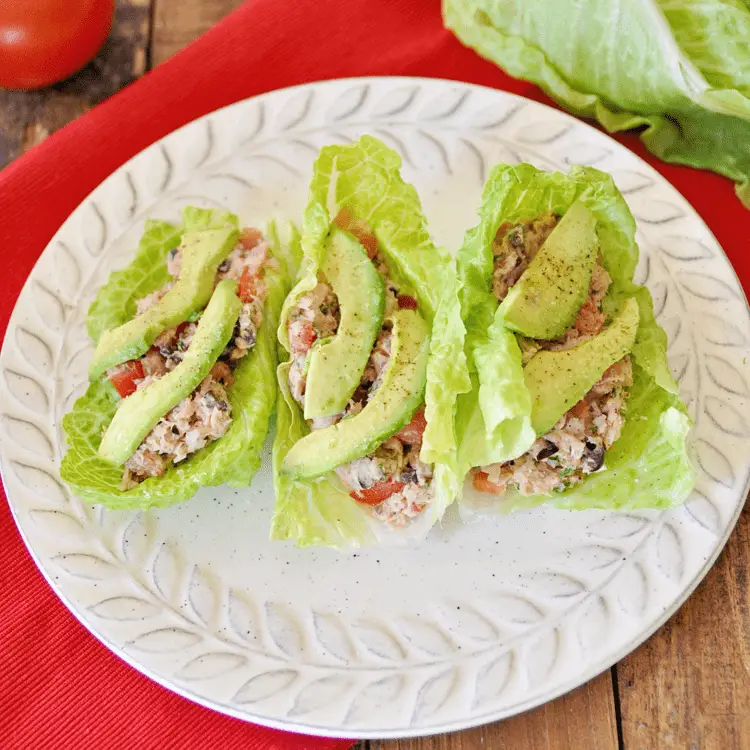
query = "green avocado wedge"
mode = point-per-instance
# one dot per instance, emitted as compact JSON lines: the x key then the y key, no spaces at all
{"x":139,"y":413}
{"x":202,"y":253}
{"x":557,"y":380}
{"x":336,"y":364}
{"x":388,"y":411}
{"x":544,"y":302}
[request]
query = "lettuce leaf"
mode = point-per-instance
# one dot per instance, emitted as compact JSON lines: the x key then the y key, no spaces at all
{"x":314,"y":513}
{"x":232,"y":459}
{"x":679,"y":68}
{"x":365,"y":177}
{"x":115,"y":303}
{"x":649,"y":460}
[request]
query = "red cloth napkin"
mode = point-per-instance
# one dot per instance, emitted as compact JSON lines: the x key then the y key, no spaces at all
{"x":58,"y":686}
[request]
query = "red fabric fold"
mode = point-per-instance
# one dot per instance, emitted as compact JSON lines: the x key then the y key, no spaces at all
{"x":58,"y":686}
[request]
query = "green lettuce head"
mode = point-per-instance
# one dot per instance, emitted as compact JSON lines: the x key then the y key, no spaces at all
{"x":679,"y":69}
{"x":365,"y":178}
{"x":235,"y":457}
{"x":648,"y":466}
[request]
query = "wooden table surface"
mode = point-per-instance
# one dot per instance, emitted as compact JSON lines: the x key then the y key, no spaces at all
{"x":687,"y":688}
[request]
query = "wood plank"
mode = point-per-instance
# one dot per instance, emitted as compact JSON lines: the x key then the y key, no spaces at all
{"x":179,"y":22}
{"x":28,"y":117}
{"x":581,"y":720}
{"x":689,"y":685}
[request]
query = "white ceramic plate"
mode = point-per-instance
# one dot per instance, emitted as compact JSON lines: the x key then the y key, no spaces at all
{"x":480,"y":622}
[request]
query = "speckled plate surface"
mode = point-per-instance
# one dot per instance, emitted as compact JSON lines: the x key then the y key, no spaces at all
{"x":482,"y":620}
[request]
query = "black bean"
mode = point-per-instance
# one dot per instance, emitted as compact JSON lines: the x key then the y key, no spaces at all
{"x":547,"y":451}
{"x":409,"y":475}
{"x":593,"y":456}
{"x":224,"y":267}
{"x":222,"y":405}
{"x":249,"y":336}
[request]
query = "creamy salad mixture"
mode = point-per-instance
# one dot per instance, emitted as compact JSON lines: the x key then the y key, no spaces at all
{"x":576,"y":445}
{"x":392,"y":479}
{"x":205,"y":414}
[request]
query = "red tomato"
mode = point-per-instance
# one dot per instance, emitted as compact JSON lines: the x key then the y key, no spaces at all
{"x":301,"y":337}
{"x":405,"y":302}
{"x":246,"y":290}
{"x":123,"y":376}
{"x":482,"y":483}
{"x":369,"y":243}
{"x":44,"y":41}
{"x":378,"y":492}
{"x":250,"y":237}
{"x":344,"y":220}
{"x":412,"y":433}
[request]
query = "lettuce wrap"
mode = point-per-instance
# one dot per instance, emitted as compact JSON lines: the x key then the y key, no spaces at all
{"x":364,"y":179}
{"x":648,"y":466}
{"x":234,"y":457}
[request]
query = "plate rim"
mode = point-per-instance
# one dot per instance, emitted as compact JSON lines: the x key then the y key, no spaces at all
{"x":581,"y":678}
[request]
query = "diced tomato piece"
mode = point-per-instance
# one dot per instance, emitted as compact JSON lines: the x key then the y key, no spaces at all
{"x":343,"y":219}
{"x":412,"y":433}
{"x":482,"y":483}
{"x":301,"y":336}
{"x":309,"y":336}
{"x":250,"y":237}
{"x":123,"y":377}
{"x":246,"y":291}
{"x":378,"y":492}
{"x":406,"y":302}
{"x":369,"y":243}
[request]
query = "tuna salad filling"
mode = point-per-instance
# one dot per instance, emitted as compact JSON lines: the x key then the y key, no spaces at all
{"x":204,"y":415}
{"x":576,"y":445}
{"x":391,"y":480}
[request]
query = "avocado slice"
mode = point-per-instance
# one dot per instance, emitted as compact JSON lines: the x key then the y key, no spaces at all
{"x":336,"y":364}
{"x":388,"y":411}
{"x":558,"y":380}
{"x":138,"y":414}
{"x":544,"y":302}
{"x":202,"y":253}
